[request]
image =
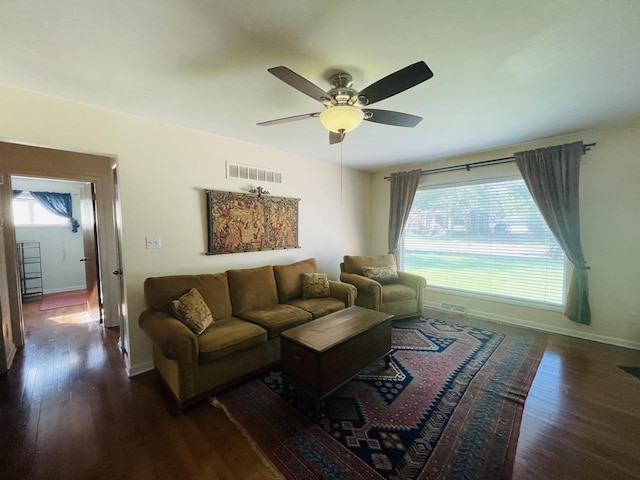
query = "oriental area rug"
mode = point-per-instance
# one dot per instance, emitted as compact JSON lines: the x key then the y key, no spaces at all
{"x":448,"y":407}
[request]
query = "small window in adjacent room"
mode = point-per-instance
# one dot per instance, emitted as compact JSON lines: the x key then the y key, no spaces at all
{"x":484,"y":238}
{"x":27,"y":211}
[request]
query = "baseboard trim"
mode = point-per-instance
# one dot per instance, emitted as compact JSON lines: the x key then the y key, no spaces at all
{"x":49,"y":291}
{"x":11,"y":355}
{"x":139,"y":368}
{"x":620,"y":342}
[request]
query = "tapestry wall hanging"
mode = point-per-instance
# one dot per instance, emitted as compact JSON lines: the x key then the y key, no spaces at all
{"x":241,"y":222}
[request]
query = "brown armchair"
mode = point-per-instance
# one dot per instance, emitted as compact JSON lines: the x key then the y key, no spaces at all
{"x":401,"y":296}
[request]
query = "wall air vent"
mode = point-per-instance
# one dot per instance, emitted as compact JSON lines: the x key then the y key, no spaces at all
{"x":452,"y":307}
{"x":247,"y":172}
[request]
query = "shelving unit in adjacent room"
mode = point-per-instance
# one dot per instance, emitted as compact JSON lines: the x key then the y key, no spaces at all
{"x":30,"y":265}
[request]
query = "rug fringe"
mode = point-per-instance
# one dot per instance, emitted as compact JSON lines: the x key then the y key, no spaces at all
{"x":256,"y":448}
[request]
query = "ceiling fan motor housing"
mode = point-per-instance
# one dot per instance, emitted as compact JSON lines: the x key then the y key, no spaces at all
{"x":341,"y":92}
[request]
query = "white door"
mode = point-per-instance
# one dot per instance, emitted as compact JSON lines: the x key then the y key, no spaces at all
{"x":87,"y":215}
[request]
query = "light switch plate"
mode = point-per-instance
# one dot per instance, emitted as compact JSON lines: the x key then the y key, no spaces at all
{"x":153,"y":242}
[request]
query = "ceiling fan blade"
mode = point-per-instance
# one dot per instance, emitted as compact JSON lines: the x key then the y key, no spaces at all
{"x":391,"y":118}
{"x":299,"y":83}
{"x":289,"y":119}
{"x":335,"y":137}
{"x":396,"y":82}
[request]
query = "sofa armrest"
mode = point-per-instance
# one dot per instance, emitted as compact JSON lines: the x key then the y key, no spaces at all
{"x":174,"y":339}
{"x":343,"y":291}
{"x":416,"y":282}
{"x":369,"y":291}
{"x":361,"y":282}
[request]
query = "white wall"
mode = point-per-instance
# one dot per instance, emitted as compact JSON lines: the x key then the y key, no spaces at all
{"x":610,"y":229}
{"x":61,"y":249}
{"x":162,"y":172}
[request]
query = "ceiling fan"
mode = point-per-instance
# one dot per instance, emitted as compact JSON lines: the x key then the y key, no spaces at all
{"x":346,"y":107}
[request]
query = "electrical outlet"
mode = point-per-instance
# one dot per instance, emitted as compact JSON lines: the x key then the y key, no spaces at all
{"x":153,"y":242}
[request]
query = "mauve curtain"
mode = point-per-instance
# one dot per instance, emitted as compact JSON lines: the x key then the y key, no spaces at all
{"x":552,"y":176}
{"x":58,"y":204}
{"x":403,"y":190}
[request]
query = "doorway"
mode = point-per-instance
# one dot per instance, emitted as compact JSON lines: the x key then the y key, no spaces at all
{"x":24,"y":160}
{"x":57,"y":258}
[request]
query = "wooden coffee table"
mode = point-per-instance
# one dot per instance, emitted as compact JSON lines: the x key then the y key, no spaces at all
{"x":322,"y":355}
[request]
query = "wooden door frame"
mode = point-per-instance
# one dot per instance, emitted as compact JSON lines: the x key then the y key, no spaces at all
{"x":31,"y":161}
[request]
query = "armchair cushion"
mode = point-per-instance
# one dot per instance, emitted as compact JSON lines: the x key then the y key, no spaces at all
{"x":192,"y":311}
{"x":314,"y":285}
{"x":397,"y":292}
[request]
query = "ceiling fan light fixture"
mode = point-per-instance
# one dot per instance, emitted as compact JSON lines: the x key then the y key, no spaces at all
{"x":341,"y":118}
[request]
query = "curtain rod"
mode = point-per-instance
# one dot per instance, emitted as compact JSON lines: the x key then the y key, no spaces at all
{"x":485,"y":163}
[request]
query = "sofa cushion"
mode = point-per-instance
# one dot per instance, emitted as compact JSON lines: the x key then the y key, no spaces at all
{"x":191,"y":310}
{"x":397,"y":292}
{"x":383,"y":275}
{"x":288,"y":278}
{"x":252,"y":288}
{"x":318,"y":307}
{"x":354,"y":263}
{"x":227,"y":336}
{"x":276,"y":318}
{"x":314,"y":285}
{"x":159,"y":292}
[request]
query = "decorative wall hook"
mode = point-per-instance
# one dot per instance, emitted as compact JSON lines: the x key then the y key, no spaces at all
{"x":260,"y":191}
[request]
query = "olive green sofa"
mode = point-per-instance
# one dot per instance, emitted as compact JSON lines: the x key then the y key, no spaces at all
{"x":250,"y":307}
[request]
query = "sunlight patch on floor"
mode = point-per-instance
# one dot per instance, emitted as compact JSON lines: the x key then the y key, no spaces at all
{"x":82,"y":317}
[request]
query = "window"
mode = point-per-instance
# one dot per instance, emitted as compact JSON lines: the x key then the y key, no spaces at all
{"x":28,"y":211}
{"x":486,"y":238}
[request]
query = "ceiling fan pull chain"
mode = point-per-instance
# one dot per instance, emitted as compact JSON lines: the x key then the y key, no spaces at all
{"x":341,"y":167}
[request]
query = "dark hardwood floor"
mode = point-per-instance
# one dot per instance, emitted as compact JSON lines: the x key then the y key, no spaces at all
{"x":68,"y":411}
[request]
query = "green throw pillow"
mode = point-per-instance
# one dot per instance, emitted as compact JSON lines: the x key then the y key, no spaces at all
{"x":315,"y":285}
{"x":383,"y":275}
{"x":193,"y":311}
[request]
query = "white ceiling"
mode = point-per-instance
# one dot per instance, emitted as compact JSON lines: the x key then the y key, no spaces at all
{"x":505,"y":71}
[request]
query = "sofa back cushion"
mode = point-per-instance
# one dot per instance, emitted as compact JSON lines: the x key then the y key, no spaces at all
{"x":289,"y":278}
{"x":159,"y":292}
{"x":354,"y":263}
{"x":251,"y":288}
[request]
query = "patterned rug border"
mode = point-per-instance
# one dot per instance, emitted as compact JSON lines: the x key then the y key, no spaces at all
{"x":440,"y":460}
{"x":256,"y":448}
